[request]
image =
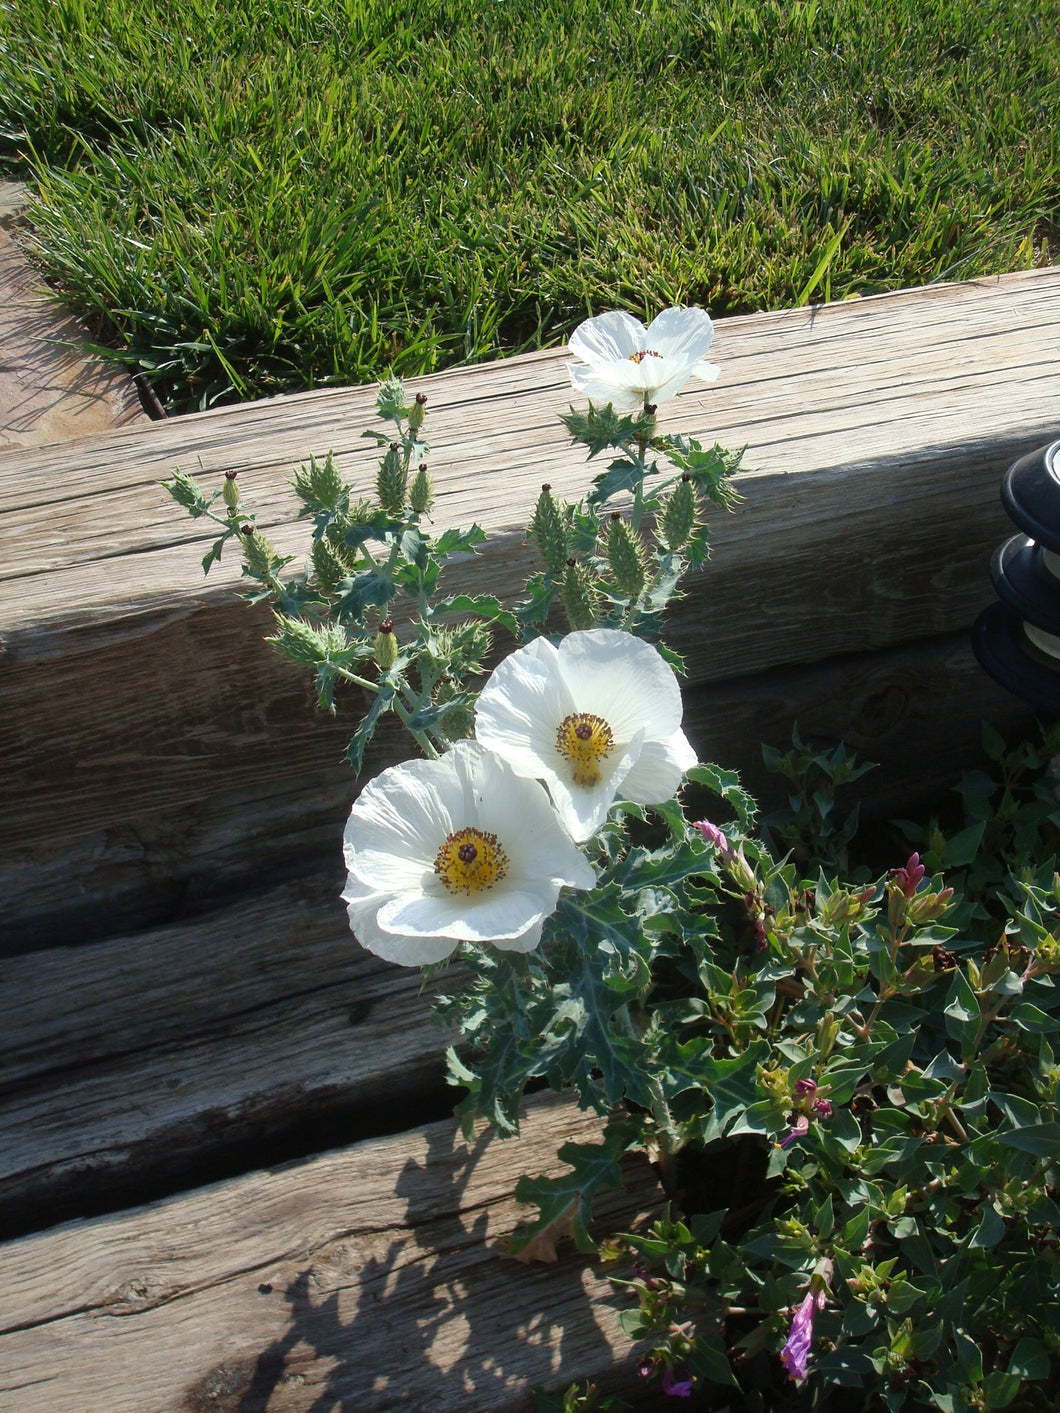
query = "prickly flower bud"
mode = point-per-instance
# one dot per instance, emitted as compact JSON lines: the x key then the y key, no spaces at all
{"x":679,"y":515}
{"x":625,"y":555}
{"x":459,"y":721}
{"x":417,"y":412}
{"x":550,"y":533}
{"x":392,"y":481}
{"x":421,"y":495}
{"x":392,"y":401}
{"x":258,"y":553}
{"x":579,"y":597}
{"x":385,"y":647}
{"x":230,"y":491}
{"x":328,"y":568}
{"x":307,"y":643}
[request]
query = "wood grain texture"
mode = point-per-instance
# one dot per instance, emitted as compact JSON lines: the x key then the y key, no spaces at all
{"x":908,"y":385}
{"x":181,"y":1048}
{"x":158,"y":753}
{"x":365,"y":1279}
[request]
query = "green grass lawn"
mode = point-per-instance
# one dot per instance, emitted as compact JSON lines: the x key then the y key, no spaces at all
{"x":256,"y":196}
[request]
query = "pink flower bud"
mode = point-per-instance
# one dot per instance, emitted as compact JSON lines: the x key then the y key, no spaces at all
{"x":713,"y":835}
{"x":909,"y":877}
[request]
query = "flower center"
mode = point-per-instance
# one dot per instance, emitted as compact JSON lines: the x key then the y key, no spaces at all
{"x":585,"y":740}
{"x":470,"y":861}
{"x":644,"y":353}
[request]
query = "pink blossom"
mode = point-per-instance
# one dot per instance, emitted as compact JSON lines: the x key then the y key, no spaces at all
{"x":796,"y":1351}
{"x":823,"y":1108}
{"x":798,"y":1128}
{"x":805,"y":1086}
{"x":675,"y":1387}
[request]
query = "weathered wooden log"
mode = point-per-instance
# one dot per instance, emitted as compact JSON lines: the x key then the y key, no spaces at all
{"x":368,"y":1278}
{"x":146,"y":728}
{"x":262,"y":1023}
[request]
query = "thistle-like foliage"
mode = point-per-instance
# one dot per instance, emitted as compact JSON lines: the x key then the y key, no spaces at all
{"x":372,"y":562}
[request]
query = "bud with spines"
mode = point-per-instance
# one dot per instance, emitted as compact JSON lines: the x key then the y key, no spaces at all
{"x":550,"y":533}
{"x":308,"y":644}
{"x":625,"y":555}
{"x":385,"y":647}
{"x":679,"y":515}
{"x":580,"y":599}
{"x":328,"y":567}
{"x":230,"y":491}
{"x":392,"y":400}
{"x":391,"y":483}
{"x":421,"y":493}
{"x":259,"y":555}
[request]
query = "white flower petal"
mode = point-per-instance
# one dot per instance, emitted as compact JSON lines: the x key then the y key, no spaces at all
{"x":522,"y":816}
{"x":521,"y":706}
{"x":406,"y":951}
{"x":601,"y":389}
{"x":387,"y":837}
{"x":485,"y":917}
{"x":526,"y":943}
{"x":659,"y":770}
{"x":401,"y":909}
{"x":630,"y":366}
{"x":706,"y":372}
{"x":607,"y":338}
{"x":584,"y":808}
{"x":682,"y":335}
{"x":623,"y":679}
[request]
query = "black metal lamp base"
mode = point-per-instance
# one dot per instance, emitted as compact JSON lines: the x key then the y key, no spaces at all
{"x":1017,"y":641}
{"x":1008,"y":655}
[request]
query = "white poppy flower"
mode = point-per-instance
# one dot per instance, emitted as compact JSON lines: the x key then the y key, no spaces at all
{"x":454,"y":850}
{"x":596,"y":718}
{"x":629,"y":365}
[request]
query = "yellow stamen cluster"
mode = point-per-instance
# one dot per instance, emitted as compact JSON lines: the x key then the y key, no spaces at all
{"x":644,"y":353}
{"x":585,"y":740}
{"x":470,"y":861}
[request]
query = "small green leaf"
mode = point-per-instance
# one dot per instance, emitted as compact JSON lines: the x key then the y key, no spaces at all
{"x":366,"y":730}
{"x":1030,"y":1360}
{"x":213,"y":555}
{"x":961,"y":850}
{"x":1029,"y":1017}
{"x":363,"y":591}
{"x":710,"y":1362}
{"x":961,"y":1003}
{"x":999,"y":1389}
{"x":1043,"y":1140}
{"x":484,"y":606}
{"x":990,"y":1230}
